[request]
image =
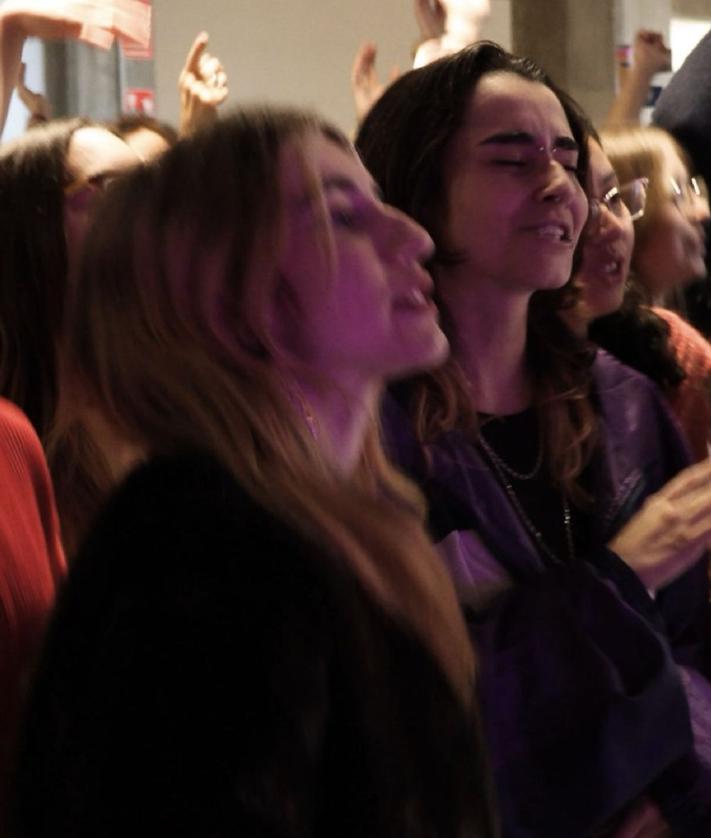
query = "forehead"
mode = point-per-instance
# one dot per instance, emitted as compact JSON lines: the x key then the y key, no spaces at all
{"x":147,"y":144}
{"x":94,"y":150}
{"x":672,"y":164}
{"x":506,"y":102}
{"x":315,"y":155}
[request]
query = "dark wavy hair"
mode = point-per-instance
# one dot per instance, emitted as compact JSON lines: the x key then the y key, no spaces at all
{"x":33,"y":266}
{"x":404,"y":141}
{"x":638,"y":337}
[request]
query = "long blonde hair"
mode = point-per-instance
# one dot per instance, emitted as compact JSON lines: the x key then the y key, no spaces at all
{"x":643,"y":152}
{"x":170,"y":338}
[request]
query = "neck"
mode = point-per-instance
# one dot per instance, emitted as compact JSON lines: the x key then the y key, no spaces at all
{"x":490,"y":331}
{"x":576,"y":321}
{"x":339,"y":417}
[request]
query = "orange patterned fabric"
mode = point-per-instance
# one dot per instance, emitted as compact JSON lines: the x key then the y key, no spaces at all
{"x":691,"y":402}
{"x":31,"y":568}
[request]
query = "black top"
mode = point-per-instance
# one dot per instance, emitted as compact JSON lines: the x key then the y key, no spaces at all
{"x":210,"y":673}
{"x":516,"y":439}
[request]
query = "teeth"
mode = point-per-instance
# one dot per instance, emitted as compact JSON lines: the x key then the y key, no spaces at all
{"x":551,"y":231}
{"x":611,"y":267}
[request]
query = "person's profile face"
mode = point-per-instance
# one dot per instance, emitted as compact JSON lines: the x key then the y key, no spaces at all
{"x":672,"y":250}
{"x":355,"y":300}
{"x":606,"y":243}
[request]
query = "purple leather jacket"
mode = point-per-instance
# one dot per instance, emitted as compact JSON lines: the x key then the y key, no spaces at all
{"x":582,"y":704}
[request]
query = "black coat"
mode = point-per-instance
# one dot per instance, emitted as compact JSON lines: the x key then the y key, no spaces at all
{"x":210,"y":673}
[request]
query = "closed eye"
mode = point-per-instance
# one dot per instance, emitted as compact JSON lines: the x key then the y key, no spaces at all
{"x":344,"y":218}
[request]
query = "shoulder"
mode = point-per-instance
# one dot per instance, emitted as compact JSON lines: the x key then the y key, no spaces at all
{"x":187,"y":515}
{"x":610,"y":375}
{"x":20,"y":447}
{"x":691,"y":348}
{"x":635,"y":416}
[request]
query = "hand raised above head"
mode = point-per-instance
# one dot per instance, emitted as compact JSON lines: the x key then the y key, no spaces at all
{"x":365,"y":84}
{"x":203,"y":87}
{"x":650,"y":54}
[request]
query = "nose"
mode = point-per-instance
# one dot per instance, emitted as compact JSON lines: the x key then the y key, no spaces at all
{"x":404,"y":238}
{"x":558,"y":184}
{"x":606,"y":226}
{"x":700,"y":209}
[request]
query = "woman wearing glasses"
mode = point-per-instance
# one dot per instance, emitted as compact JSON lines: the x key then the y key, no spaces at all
{"x":624,"y":272}
{"x":540,"y":459}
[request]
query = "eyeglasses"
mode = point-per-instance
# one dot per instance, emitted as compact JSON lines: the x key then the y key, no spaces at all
{"x":620,"y":200}
{"x":685,"y":194}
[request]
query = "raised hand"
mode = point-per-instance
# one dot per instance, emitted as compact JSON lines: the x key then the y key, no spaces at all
{"x":36,"y":103}
{"x":431,"y":18}
{"x":650,"y":54}
{"x":365,"y":84}
{"x":203,"y":87}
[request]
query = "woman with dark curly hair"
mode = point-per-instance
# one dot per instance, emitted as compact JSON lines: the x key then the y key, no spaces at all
{"x":537,"y":455}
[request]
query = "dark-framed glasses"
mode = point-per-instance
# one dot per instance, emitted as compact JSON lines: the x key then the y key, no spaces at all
{"x":620,"y":201}
{"x":685,"y":193}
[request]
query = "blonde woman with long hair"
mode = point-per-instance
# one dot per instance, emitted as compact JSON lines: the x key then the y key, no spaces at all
{"x":257,"y":637}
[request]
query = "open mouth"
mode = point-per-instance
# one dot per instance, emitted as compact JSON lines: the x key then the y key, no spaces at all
{"x":415,"y":300}
{"x":553,"y":232}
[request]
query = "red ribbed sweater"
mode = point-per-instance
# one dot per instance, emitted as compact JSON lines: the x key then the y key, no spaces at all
{"x":691,"y":403}
{"x":31,"y":567}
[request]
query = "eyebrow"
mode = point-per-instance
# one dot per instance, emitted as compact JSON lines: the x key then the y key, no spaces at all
{"x":346,"y":184}
{"x":523,"y":138}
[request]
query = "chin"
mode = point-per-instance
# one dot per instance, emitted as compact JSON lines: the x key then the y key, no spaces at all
{"x":426,"y":356}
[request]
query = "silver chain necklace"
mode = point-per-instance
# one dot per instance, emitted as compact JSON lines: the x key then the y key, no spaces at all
{"x":502,"y":469}
{"x":518,"y":475}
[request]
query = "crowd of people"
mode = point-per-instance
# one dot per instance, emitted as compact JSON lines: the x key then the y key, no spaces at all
{"x":354,"y":488}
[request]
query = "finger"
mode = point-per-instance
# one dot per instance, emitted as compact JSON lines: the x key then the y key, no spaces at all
{"x":209,"y":66}
{"x":192,"y":60}
{"x":21,"y":77}
{"x":689,"y":480}
{"x":364,"y":61}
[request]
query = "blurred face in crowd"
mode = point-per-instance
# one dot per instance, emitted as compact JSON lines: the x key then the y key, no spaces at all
{"x":355,"y":303}
{"x":95,"y":156}
{"x":607,"y":241}
{"x":672,"y":250}
{"x":515,"y":206}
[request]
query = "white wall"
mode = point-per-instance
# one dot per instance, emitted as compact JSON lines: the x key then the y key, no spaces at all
{"x":290,"y":51}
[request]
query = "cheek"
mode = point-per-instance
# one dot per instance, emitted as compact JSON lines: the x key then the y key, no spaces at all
{"x":579,"y":209}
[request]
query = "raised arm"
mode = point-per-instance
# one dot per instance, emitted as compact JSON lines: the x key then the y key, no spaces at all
{"x":96,"y":22}
{"x":650,"y":55}
{"x":203,"y":87}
